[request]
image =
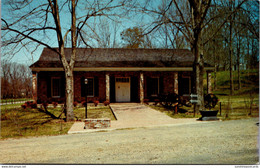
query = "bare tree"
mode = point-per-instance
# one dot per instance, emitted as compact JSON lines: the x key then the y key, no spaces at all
{"x":35,"y":19}
{"x":190,"y":18}
{"x":16,"y":80}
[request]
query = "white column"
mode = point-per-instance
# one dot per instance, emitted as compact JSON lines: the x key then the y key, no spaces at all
{"x":209,"y":83}
{"x":107,"y":87}
{"x":175,"y":77}
{"x":34,"y":85}
{"x":141,"y":87}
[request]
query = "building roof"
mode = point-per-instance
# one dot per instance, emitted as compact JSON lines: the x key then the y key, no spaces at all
{"x":119,"y":57}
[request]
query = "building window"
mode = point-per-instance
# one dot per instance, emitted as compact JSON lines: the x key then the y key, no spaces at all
{"x":186,"y":85}
{"x":90,"y":87}
{"x":55,"y":86}
{"x":154,"y":86}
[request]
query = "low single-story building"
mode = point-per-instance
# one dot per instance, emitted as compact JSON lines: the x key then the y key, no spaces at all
{"x":116,"y":74}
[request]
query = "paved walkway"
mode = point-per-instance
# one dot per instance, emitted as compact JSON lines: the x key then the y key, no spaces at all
{"x":134,"y":115}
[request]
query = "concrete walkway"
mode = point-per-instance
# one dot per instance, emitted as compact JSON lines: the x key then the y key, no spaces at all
{"x":134,"y":115}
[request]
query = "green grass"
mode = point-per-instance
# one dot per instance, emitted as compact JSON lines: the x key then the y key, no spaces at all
{"x":94,"y":112}
{"x":233,"y":107}
{"x":17,"y":122}
{"x":3,"y":101}
{"x":7,"y":106}
{"x":249,"y":82}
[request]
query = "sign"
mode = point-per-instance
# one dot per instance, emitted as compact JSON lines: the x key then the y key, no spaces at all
{"x":194,"y":98}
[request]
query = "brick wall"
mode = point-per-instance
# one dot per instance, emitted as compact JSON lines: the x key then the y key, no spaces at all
{"x":168,"y":84}
{"x":97,"y":123}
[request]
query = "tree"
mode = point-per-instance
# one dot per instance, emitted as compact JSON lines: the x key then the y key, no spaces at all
{"x":15,"y":80}
{"x":133,"y":37}
{"x":190,"y":18}
{"x":31,"y":21}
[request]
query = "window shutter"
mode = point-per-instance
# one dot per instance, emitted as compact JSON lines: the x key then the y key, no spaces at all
{"x":96,"y":86}
{"x":63,"y":86}
{"x":48,"y":86}
{"x":83,"y":87}
{"x":161,"y":88}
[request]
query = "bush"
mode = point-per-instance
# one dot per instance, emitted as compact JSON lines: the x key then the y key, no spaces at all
{"x":210,"y":100}
{"x":96,"y":103}
{"x":24,"y":106}
{"x":75,"y":104}
{"x":168,"y":100}
{"x":45,"y":105}
{"x":146,"y":101}
{"x":33,"y":105}
{"x":156,"y":101}
{"x":54,"y":104}
{"x":84,"y":103}
{"x":106,"y":103}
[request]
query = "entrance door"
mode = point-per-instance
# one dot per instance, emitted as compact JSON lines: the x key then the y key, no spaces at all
{"x":122,"y":89}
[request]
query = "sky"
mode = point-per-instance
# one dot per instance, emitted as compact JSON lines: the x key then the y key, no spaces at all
{"x":25,"y":56}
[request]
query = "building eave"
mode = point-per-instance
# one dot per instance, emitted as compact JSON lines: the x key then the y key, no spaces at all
{"x":38,"y":69}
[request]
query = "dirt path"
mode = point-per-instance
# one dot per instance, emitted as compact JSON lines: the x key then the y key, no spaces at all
{"x":228,"y":142}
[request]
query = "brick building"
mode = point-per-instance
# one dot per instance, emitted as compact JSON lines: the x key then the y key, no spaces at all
{"x":116,"y":74}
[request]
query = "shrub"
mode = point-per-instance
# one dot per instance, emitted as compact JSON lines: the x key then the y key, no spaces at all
{"x":45,"y":105}
{"x":83,"y":103}
{"x":146,"y":101}
{"x":24,"y":106}
{"x":156,"y":101}
{"x":106,"y":102}
{"x":96,"y":103}
{"x":33,"y":105}
{"x":75,"y":104}
{"x":54,"y":104}
{"x":28,"y":103}
{"x":168,"y":100}
{"x":210,"y":100}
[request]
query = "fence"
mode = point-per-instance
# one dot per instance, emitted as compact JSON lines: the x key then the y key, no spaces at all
{"x":14,"y":101}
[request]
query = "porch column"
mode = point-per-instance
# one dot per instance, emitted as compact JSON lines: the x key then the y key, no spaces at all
{"x":34,"y":85}
{"x":141,"y":88}
{"x":175,"y":77}
{"x":209,"y":83}
{"x":107,"y":87}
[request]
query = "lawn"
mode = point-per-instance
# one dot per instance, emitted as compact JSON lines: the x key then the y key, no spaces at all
{"x":236,"y":106}
{"x":17,"y":122}
{"x":231,"y":108}
{"x":10,"y":101}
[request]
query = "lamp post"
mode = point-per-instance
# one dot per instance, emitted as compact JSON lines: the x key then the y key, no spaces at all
{"x":86,"y":104}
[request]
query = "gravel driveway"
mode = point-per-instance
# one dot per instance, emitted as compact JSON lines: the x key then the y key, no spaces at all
{"x":222,"y":142}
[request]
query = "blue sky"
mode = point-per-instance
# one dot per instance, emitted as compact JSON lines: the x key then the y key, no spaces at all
{"x":26,"y":57}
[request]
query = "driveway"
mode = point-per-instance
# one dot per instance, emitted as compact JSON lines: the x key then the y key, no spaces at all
{"x":134,"y":115}
{"x":223,"y":142}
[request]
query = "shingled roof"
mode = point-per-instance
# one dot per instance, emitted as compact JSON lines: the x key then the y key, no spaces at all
{"x":119,"y":57}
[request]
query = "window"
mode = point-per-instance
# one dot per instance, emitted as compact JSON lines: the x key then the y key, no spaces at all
{"x":123,"y":80}
{"x":186,"y":85}
{"x":154,"y":86}
{"x":90,"y":87}
{"x":56,"y":85}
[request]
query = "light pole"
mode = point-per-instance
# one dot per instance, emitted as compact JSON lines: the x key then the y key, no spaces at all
{"x":86,"y":104}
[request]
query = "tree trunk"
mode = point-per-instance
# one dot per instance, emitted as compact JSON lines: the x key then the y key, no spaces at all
{"x":215,"y":67}
{"x":238,"y":63}
{"x":69,"y":95}
{"x":230,"y":57}
{"x":198,"y":69}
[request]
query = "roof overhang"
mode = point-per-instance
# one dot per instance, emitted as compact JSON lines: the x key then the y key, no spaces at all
{"x":38,"y":69}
